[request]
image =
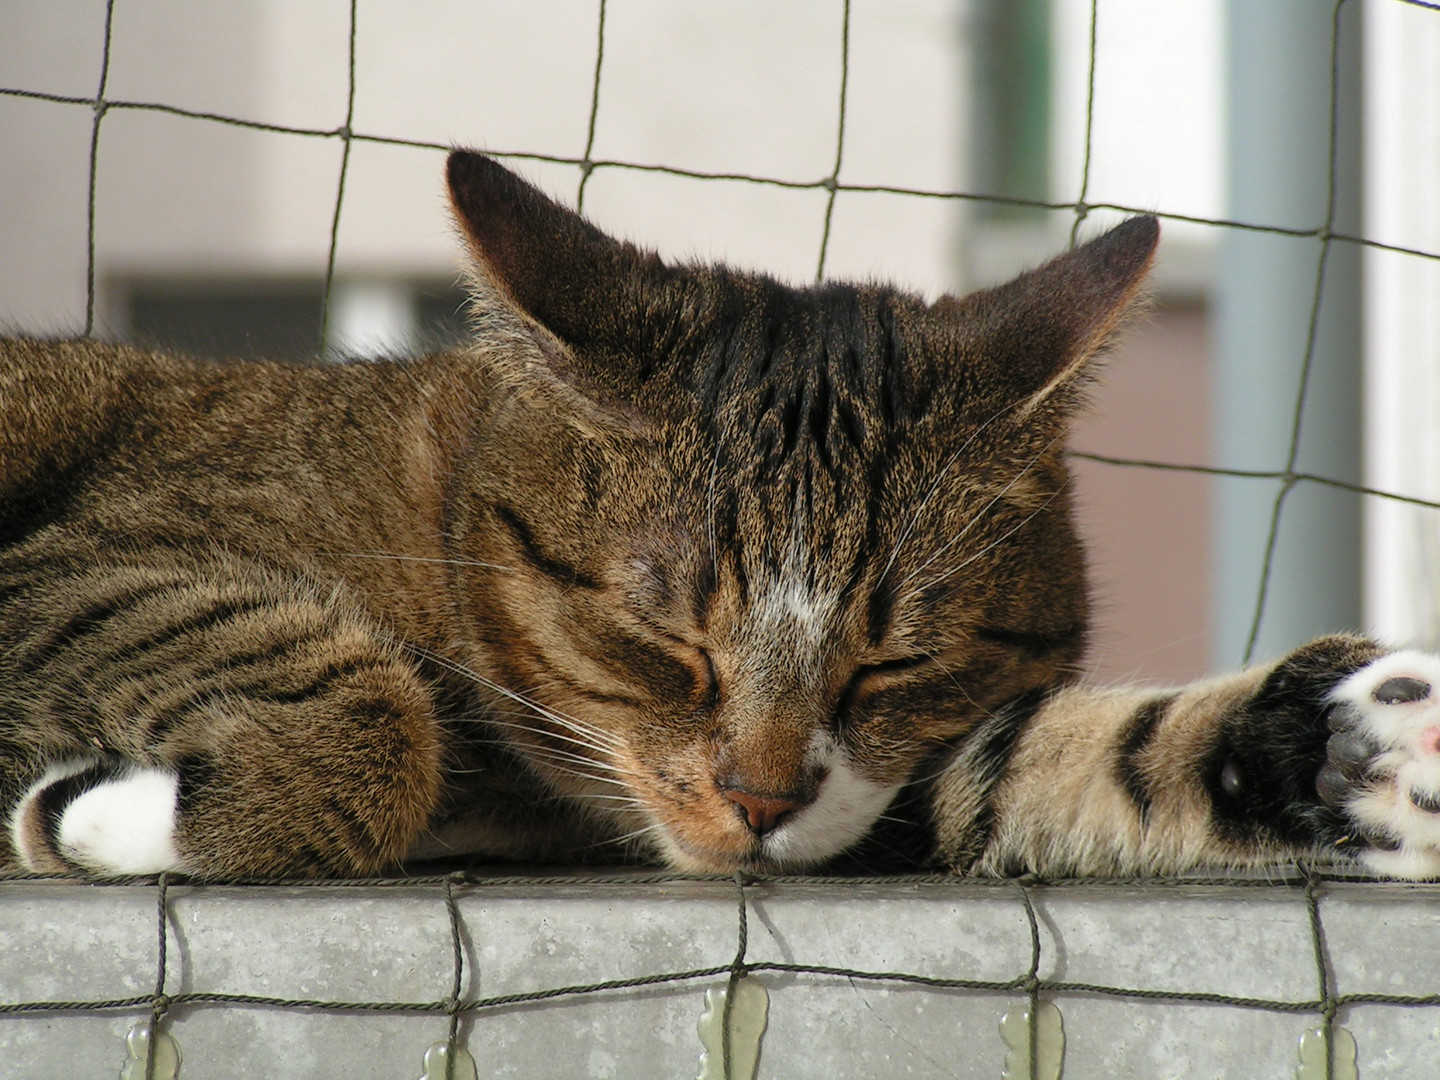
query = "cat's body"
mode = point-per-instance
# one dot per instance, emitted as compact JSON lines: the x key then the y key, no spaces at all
{"x":672,"y":563}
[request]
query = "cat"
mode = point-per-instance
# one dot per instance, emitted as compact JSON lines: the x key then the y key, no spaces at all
{"x":670,"y":563}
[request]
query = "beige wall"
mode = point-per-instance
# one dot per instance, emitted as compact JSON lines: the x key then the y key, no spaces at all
{"x":749,"y":86}
{"x":745,"y":87}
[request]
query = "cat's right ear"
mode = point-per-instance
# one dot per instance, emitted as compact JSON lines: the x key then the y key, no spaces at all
{"x":584,"y":300}
{"x":545,"y":259}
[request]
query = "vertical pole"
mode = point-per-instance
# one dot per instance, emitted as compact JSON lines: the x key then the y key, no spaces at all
{"x":1402,"y":322}
{"x":1279,"y":173}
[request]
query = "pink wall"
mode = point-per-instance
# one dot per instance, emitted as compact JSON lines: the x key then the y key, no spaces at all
{"x":1148,"y":530}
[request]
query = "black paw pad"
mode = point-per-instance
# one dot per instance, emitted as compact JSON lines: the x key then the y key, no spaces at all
{"x":1232,"y":782}
{"x":1342,"y":717}
{"x":1425,"y":800}
{"x":1381,"y":842}
{"x":1348,"y":756}
{"x":1332,"y":786}
{"x":1350,"y":752}
{"x":1401,"y":690}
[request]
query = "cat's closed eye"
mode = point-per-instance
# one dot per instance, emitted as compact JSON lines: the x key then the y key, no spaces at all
{"x":869,"y":679}
{"x":709,"y":684}
{"x":700,"y":664}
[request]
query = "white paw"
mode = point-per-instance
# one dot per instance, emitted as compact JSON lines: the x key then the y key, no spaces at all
{"x":1383,"y":767}
{"x":125,"y":825}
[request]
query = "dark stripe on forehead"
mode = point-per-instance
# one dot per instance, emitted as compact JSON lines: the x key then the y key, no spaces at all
{"x":820,"y":403}
{"x":1037,"y":645}
{"x":879,"y":607}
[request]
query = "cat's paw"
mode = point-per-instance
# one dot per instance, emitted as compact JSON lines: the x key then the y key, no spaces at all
{"x":1382,"y":768}
{"x":100,"y":816}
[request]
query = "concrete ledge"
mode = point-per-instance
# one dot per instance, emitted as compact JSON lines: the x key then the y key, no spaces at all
{"x":899,"y":978}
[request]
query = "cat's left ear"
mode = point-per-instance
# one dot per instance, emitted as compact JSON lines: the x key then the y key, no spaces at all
{"x":1032,"y":342}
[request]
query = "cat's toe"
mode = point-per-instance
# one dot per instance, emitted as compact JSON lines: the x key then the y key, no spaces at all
{"x":1382,"y":768}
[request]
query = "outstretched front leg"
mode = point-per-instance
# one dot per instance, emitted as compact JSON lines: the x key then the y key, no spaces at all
{"x":1332,"y":752}
{"x":218,"y":720}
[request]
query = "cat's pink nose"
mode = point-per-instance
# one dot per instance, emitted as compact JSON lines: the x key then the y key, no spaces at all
{"x":762,"y":813}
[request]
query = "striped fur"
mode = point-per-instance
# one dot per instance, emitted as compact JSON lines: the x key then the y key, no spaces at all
{"x":671,"y":563}
{"x":1218,"y":774}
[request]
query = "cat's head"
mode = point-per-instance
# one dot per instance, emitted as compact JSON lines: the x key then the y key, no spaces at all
{"x":769,"y":548}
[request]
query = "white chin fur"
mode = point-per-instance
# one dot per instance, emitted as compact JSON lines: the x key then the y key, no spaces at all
{"x":125,"y":825}
{"x":842,"y":813}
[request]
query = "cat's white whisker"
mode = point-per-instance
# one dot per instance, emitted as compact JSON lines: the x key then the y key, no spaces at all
{"x":935,"y":488}
{"x":551,"y":754}
{"x":579,"y":727}
{"x":590,"y":776}
{"x":979,"y":515}
{"x":582,"y":774}
{"x":987,"y":548}
{"x":570,"y":723}
{"x":624,"y":800}
{"x":628,"y":837}
{"x":536,"y":750}
{"x":572,"y":740}
{"x":414,"y":558}
{"x":539,"y":753}
{"x":574,"y":759}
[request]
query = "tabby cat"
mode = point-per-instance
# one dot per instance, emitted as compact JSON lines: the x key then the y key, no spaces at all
{"x":671,"y":563}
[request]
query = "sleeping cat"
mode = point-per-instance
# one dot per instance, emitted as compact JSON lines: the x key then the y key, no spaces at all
{"x":671,"y":563}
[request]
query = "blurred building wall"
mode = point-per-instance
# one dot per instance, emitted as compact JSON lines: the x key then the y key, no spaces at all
{"x":208,"y":213}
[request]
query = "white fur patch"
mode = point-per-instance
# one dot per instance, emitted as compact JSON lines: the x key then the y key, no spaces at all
{"x":1406,"y":863}
{"x":1407,"y":734}
{"x":125,"y":825}
{"x":843,"y":811}
{"x":811,"y":612}
{"x":791,"y":600}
